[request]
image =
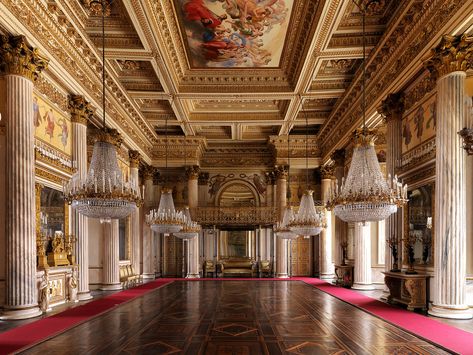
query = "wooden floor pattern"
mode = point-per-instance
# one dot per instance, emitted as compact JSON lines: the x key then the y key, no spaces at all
{"x":236,"y":317}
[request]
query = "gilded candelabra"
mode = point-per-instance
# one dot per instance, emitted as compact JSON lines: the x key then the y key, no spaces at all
{"x":409,"y":242}
{"x":69,"y":248}
{"x":393,"y":242}
{"x":344,"y":246}
{"x":41,"y":242}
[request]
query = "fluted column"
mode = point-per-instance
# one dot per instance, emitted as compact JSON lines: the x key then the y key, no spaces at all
{"x":339,"y":229}
{"x":111,"y":257}
{"x":21,"y":65}
{"x":325,"y":246}
{"x":192,"y":174}
{"x":362,"y":277}
{"x":281,"y":244}
{"x":80,"y":114}
{"x":448,"y":64}
{"x":135,"y":215}
{"x":148,"y":265}
{"x":392,"y":108}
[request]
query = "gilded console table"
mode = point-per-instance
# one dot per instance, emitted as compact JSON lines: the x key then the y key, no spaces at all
{"x":344,"y":275}
{"x":408,"y":289}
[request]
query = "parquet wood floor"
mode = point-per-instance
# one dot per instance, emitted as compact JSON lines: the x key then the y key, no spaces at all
{"x":236,"y":317}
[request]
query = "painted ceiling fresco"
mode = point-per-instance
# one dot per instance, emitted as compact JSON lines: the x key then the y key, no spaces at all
{"x":234,"y":33}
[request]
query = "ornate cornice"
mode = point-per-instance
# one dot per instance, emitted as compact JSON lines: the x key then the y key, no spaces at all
{"x":454,"y":53}
{"x":80,"y":109}
{"x":192,"y":172}
{"x":19,"y":58}
{"x":134,"y":156}
{"x":400,"y":44}
{"x":392,"y":107}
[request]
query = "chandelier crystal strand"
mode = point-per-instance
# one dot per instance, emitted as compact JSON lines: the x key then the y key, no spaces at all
{"x":104,"y":193}
{"x":365,"y":195}
{"x":308,"y":220}
{"x":166,"y":219}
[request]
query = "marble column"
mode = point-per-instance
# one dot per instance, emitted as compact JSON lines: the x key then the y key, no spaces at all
{"x":326,"y":266}
{"x":81,"y":112}
{"x":281,"y":244}
{"x":270,"y":181}
{"x":111,"y":258}
{"x":135,"y":215}
{"x":148,"y":234}
{"x":21,"y":64}
{"x":448,"y":64}
{"x":362,"y":276}
{"x":339,"y":229}
{"x":192,"y":174}
{"x":392,"y":108}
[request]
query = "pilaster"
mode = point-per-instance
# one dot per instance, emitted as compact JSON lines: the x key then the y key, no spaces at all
{"x":281,"y":244}
{"x":326,"y":235}
{"x":111,"y":257}
{"x":134,"y":156}
{"x":362,"y":277}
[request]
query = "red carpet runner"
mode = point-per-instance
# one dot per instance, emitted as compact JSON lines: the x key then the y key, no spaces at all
{"x":27,"y":335}
{"x":450,"y":338}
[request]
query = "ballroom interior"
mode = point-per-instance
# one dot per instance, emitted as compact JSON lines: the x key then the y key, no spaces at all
{"x":236,"y":176}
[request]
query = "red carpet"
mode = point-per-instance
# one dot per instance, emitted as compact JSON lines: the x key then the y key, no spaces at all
{"x":27,"y":335}
{"x":450,"y":338}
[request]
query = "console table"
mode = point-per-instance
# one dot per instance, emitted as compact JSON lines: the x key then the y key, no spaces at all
{"x":408,"y":289}
{"x":344,"y":275}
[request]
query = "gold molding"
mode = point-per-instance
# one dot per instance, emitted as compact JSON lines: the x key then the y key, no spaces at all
{"x":19,"y":58}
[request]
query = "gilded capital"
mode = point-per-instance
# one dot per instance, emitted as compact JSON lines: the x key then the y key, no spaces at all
{"x":392,"y":107}
{"x":327,"y":172}
{"x":80,"y":109}
{"x":192,"y":172}
{"x":110,"y":135}
{"x":204,"y":178}
{"x":148,"y":172}
{"x":338,"y":156}
{"x":134,"y":156}
{"x":454,"y":53}
{"x":19,"y":58}
{"x":280,"y":172}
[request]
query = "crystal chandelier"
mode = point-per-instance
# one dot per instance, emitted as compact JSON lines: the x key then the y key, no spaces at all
{"x":282,"y":229}
{"x":191,"y":229}
{"x":104,"y":192}
{"x":308,"y":221}
{"x":365,"y":195}
{"x":166,"y":219}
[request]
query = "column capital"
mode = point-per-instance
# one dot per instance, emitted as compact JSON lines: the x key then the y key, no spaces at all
{"x":148,"y":172}
{"x":192,"y":172}
{"x":281,"y":172}
{"x":270,"y":177}
{"x":338,"y":156}
{"x":95,"y":7}
{"x":392,"y":107}
{"x":111,"y":136}
{"x":204,"y":178}
{"x":80,"y":109}
{"x":17,"y":57}
{"x":134,"y":156}
{"x":454,"y":53}
{"x":327,"y":172}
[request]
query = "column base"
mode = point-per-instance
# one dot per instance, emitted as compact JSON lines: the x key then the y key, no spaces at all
{"x":327,"y":276}
{"x":193,"y":276}
{"x":148,"y":276}
{"x":111,"y":287}
{"x":84,"y":296}
{"x":451,"y":312}
{"x":362,"y":287}
{"x":15,"y":314}
{"x":282,"y":276}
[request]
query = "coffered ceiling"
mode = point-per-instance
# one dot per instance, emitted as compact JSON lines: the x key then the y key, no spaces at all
{"x":233,"y":74}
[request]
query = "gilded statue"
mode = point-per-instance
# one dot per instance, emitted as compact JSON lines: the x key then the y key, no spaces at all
{"x":73,"y":286}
